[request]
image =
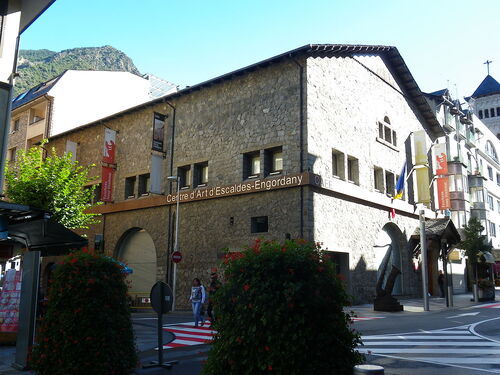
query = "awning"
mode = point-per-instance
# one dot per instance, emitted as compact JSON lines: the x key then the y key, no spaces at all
{"x":438,"y":230}
{"x":34,"y":229}
{"x":488,"y":257}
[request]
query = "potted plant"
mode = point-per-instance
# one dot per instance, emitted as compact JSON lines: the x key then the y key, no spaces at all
{"x":486,"y":290}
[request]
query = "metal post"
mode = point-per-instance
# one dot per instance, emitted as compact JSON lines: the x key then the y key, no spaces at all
{"x":423,"y":249}
{"x":176,"y":243}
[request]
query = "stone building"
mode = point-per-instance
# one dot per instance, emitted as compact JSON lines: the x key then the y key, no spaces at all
{"x":307,"y":144}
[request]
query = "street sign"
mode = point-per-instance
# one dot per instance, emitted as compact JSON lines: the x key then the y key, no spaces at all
{"x":176,"y":256}
{"x":161,"y":297}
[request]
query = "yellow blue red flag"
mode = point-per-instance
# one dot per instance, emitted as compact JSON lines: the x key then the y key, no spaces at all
{"x":400,"y":184}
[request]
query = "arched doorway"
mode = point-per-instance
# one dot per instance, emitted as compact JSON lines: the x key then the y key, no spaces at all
{"x":137,"y":249}
{"x":388,"y":247}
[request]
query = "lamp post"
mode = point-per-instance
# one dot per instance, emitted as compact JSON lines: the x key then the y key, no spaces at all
{"x":176,"y":239}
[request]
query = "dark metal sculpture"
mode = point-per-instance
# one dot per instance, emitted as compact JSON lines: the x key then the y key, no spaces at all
{"x":384,"y":300}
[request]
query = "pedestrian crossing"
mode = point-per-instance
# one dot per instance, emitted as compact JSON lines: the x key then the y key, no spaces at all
{"x":490,"y":306}
{"x":185,"y":334}
{"x":457,"y":347}
{"x":362,"y":319}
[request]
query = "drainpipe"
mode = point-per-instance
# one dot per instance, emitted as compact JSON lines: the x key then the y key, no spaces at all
{"x":169,"y":237}
{"x":301,"y":140}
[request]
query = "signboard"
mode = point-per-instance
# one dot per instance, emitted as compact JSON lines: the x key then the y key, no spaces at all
{"x":440,"y":159}
{"x":158,"y":131}
{"x":108,"y":155}
{"x":443,"y":193}
{"x":420,"y":147}
{"x":161,"y":297}
{"x":422,"y":175}
{"x":156,"y":174}
{"x":71,"y":147}
{"x":10,"y":297}
{"x":176,"y":256}
{"x":107,"y":184}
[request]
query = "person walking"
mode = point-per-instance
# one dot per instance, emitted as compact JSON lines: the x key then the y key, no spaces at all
{"x":441,"y":284}
{"x":215,"y":284}
{"x":197,"y":298}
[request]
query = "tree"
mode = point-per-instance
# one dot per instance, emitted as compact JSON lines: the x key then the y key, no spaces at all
{"x":87,"y":328}
{"x":280,"y":310}
{"x":55,"y":183}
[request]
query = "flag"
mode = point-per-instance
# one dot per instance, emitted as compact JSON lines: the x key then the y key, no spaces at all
{"x":400,"y":184}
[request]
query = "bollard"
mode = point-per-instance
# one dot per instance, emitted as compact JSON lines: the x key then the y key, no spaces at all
{"x":368,"y":369}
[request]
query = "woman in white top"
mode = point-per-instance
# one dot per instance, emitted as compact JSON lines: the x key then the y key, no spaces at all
{"x":197,"y":298}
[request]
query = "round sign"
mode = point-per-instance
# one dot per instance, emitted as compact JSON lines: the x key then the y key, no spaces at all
{"x":161,"y":297}
{"x":176,"y":256}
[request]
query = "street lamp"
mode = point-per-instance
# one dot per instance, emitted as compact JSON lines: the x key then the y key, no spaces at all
{"x":176,"y":239}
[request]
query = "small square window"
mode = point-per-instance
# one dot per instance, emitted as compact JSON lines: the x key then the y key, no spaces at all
{"x":353,"y":170}
{"x":201,"y":174}
{"x":97,"y":194}
{"x":11,"y":155}
{"x":130,"y":187}
{"x":15,"y":125}
{"x":144,"y":184}
{"x":184,"y":174}
{"x":259,"y":224}
{"x":338,"y":164}
{"x":251,"y":165}
{"x":273,"y":161}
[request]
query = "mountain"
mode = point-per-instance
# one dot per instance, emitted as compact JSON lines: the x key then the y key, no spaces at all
{"x":37,"y":66}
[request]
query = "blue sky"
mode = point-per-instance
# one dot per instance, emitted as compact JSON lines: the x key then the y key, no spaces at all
{"x":188,"y":42}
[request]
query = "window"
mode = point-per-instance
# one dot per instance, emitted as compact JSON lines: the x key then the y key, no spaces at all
{"x":480,"y":113}
{"x":144,"y":184}
{"x":490,"y":150}
{"x":338,"y":164}
{"x":11,"y":155}
{"x":201,"y":174}
{"x":479,"y":196}
{"x":492,"y":112}
{"x":390,"y":183}
{"x":184,"y":174}
{"x":378,"y":176}
{"x":273,"y":161}
{"x":490,"y":173}
{"x":353,"y":170}
{"x":493,"y":229}
{"x":259,"y":224}
{"x":498,"y":111}
{"x":498,"y":179}
{"x":386,"y":133}
{"x":456,"y":182}
{"x":15,"y":125}
{"x":251,"y":165}
{"x":486,"y":113}
{"x":490,"y":203}
{"x":498,"y":205}
{"x":130,"y":187}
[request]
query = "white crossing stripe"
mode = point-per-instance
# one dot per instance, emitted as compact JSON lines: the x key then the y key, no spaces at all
{"x":455,"y":346}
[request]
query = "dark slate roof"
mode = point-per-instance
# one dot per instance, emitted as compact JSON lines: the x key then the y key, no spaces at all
{"x":35,"y":92}
{"x":489,"y":86}
{"x":439,"y":228}
{"x":389,"y":54}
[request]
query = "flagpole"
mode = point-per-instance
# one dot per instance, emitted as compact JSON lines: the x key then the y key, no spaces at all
{"x":423,"y":250}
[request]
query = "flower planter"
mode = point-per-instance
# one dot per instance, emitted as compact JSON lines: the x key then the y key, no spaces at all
{"x":486,"y":294}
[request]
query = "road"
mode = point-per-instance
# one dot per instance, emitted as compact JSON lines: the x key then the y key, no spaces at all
{"x":452,"y":342}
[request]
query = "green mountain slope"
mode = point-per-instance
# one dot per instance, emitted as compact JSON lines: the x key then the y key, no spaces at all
{"x":37,"y":66}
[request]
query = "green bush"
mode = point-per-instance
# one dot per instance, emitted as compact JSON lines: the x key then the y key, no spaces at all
{"x":87,"y":327}
{"x":280,"y":310}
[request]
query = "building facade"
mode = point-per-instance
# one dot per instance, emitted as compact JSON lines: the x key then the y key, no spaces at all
{"x":308,"y":144}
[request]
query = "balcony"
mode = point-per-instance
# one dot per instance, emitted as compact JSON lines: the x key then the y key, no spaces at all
{"x":449,"y":121}
{"x":470,"y":137}
{"x":36,"y":128}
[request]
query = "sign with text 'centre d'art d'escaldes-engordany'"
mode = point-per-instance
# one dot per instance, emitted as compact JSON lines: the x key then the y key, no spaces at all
{"x":245,"y":187}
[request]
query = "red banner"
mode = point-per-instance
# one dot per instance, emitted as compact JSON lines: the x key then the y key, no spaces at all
{"x":107,"y":184}
{"x":443,"y":193}
{"x":108,"y":155}
{"x":441,"y":159}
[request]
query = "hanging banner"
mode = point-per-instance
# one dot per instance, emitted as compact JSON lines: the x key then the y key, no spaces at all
{"x":71,"y":147}
{"x":107,"y":184}
{"x":158,"y":131}
{"x":443,"y":189}
{"x":440,"y":159}
{"x":108,"y":155}
{"x":156,"y":174}
{"x":420,"y":147}
{"x":422,"y":175}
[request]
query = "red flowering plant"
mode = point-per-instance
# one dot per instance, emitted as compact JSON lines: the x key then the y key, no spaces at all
{"x":87,"y":327}
{"x":281,"y":310}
